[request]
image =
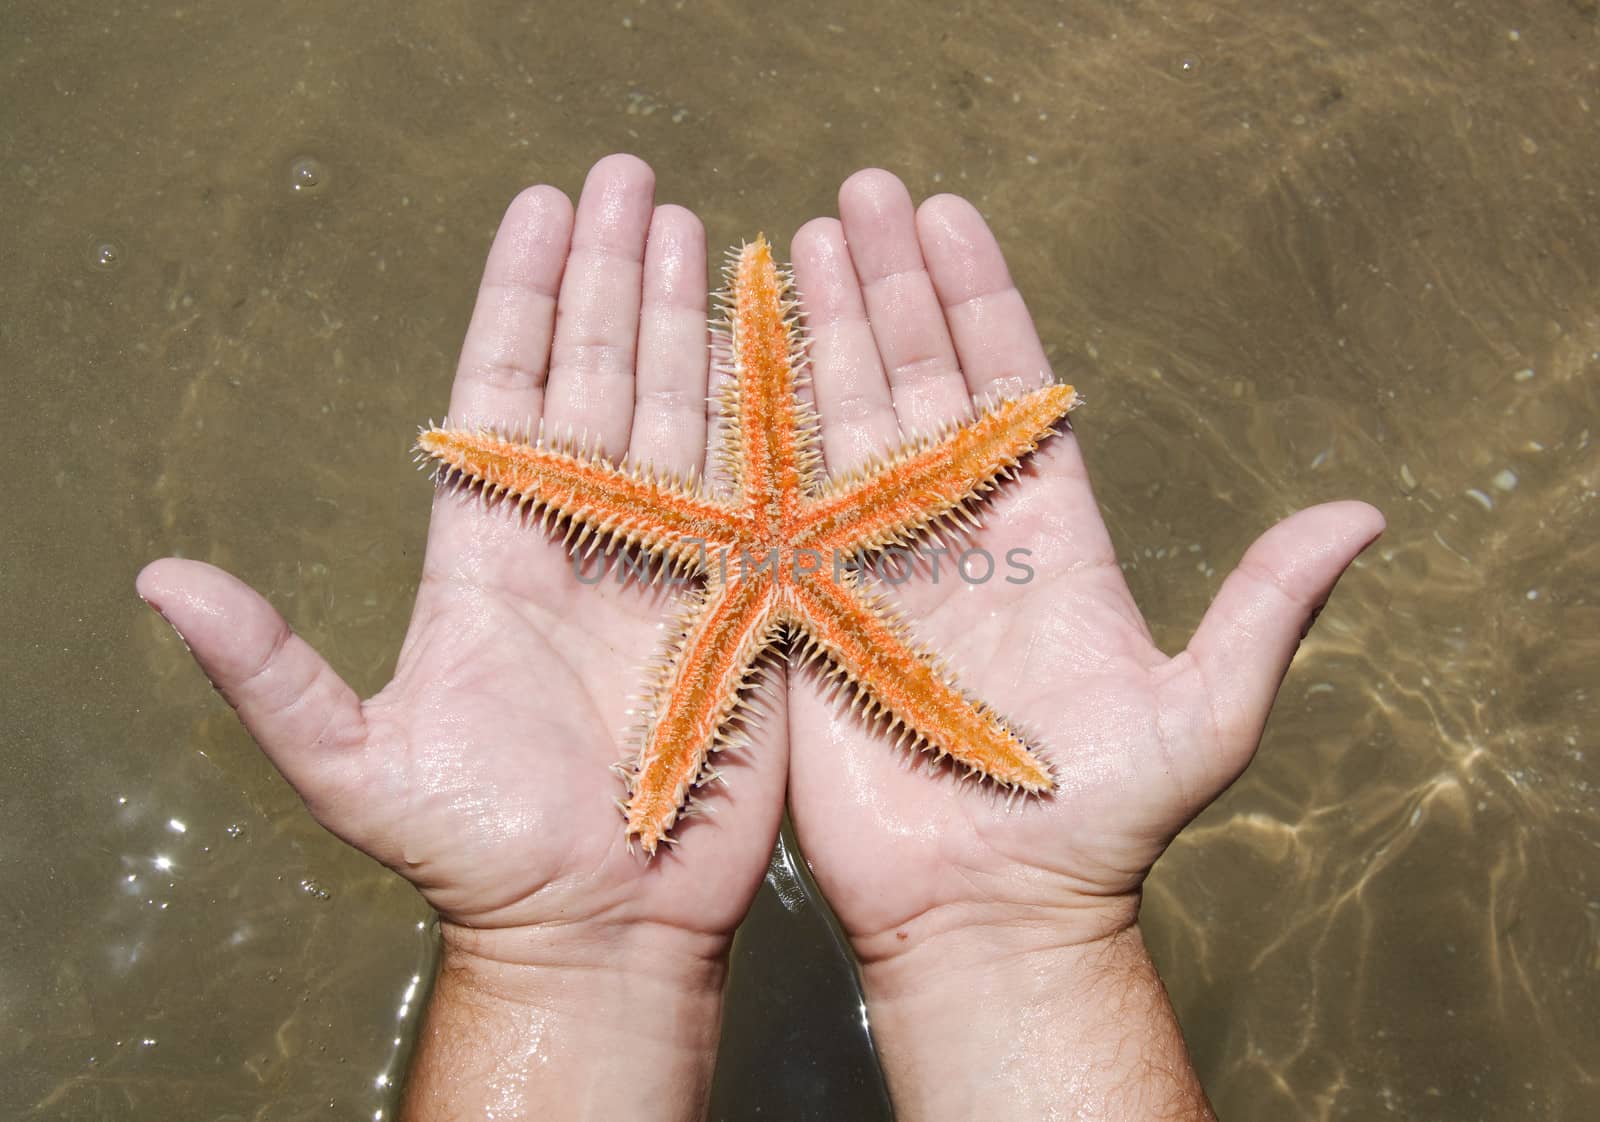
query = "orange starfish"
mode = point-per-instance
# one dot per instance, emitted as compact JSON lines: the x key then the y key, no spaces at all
{"x":780,"y":555}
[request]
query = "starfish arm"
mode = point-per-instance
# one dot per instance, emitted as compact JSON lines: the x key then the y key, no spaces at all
{"x":633,"y":507}
{"x":772,"y":444}
{"x":867,"y":644}
{"x":928,"y":481}
{"x":723,"y":636}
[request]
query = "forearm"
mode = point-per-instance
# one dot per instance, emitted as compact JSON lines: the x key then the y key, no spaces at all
{"x":568,"y":1041}
{"x":1083,"y":1032}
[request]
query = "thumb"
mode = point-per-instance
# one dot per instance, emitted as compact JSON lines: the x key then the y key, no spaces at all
{"x":1253,"y":628}
{"x":304,"y":716}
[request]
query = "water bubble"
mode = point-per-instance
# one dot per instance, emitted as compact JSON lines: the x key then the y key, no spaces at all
{"x":314,"y":890}
{"x":308,"y":176}
{"x":106,"y":255}
{"x":1188,"y":66}
{"x":234,"y":830}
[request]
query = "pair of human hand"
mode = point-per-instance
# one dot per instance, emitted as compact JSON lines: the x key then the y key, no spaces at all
{"x":481,"y":773}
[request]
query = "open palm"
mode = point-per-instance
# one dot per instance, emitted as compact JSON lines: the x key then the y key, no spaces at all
{"x":480,"y":772}
{"x":912,"y":315}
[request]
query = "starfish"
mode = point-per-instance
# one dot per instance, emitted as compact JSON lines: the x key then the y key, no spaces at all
{"x":779,"y":551}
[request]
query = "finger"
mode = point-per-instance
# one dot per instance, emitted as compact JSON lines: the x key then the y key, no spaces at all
{"x":907,"y":321}
{"x":669,"y":418}
{"x":995,"y":340}
{"x":999,"y":349}
{"x":848,"y":384}
{"x":506,"y":355}
{"x":1252,"y":629}
{"x":304,"y":716}
{"x":590,"y":393}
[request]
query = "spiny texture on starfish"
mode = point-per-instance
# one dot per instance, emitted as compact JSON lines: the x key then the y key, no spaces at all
{"x":778,"y":553}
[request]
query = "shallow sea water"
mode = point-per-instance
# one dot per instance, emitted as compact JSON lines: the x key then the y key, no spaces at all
{"x":1318,"y":250}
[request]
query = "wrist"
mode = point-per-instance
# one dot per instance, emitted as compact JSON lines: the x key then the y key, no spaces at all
{"x":525,"y":963}
{"x":994,"y":974}
{"x":616,"y":988}
{"x":1043,"y":1027}
{"x":955,"y":946}
{"x":547,"y":1023}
